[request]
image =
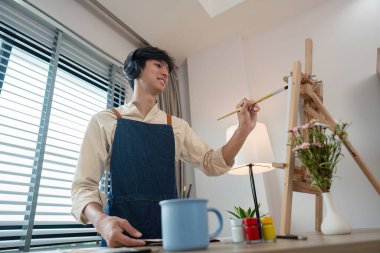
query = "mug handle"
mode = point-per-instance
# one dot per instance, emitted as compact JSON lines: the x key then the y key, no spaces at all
{"x":220,"y":219}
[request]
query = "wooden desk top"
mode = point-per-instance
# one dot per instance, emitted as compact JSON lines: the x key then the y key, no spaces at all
{"x":360,"y":240}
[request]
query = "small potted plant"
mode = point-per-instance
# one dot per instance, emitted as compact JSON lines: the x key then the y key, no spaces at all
{"x":239,"y":214}
{"x":319,"y":151}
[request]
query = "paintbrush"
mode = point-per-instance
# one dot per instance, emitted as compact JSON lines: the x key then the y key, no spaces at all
{"x":188,"y":192}
{"x":257,"y":101}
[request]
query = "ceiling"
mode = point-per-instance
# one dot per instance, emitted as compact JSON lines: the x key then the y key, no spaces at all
{"x":183,"y":27}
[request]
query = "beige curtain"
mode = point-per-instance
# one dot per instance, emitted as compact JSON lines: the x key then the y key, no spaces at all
{"x":169,"y":102}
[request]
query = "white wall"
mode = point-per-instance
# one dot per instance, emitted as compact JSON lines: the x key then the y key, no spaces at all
{"x":346,"y":34}
{"x":217,"y":82}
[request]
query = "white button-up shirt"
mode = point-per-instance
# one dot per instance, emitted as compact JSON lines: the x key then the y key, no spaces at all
{"x":97,"y":144}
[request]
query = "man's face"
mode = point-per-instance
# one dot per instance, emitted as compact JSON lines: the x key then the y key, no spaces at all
{"x":155,"y":75}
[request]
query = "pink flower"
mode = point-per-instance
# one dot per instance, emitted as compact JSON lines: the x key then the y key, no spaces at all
{"x":297,"y":128}
{"x":321,"y":125}
{"x":317,"y":144}
{"x":304,"y":145}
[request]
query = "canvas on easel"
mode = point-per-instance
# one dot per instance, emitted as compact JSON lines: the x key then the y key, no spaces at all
{"x":307,"y":90}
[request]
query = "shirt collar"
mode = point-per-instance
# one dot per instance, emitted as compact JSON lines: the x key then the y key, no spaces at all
{"x":131,"y":110}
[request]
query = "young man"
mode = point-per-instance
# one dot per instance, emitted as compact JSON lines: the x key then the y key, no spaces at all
{"x":138,"y":143}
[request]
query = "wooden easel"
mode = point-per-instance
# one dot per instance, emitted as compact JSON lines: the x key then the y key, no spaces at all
{"x":310,"y":91}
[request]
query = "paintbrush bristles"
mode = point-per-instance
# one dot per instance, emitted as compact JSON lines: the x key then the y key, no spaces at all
{"x":257,"y":101}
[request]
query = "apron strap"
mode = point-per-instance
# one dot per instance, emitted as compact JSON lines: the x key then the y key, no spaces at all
{"x":117,"y":113}
{"x":169,"y":119}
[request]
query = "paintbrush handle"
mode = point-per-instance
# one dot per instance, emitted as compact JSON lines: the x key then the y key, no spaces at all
{"x":188,"y":192}
{"x":228,"y":114}
{"x":257,"y":101}
{"x":263,"y":98}
{"x":238,"y":109}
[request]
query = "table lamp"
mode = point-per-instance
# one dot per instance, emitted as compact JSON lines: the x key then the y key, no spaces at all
{"x":255,"y":156}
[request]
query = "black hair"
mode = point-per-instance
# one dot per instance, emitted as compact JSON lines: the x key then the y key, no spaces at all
{"x":137,"y":58}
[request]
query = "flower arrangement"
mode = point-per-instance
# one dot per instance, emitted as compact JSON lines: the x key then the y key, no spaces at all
{"x":319,"y":150}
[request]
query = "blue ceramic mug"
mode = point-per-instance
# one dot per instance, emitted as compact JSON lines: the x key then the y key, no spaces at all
{"x":185,"y":224}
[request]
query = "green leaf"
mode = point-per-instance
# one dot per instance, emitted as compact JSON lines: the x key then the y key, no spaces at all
{"x":241,"y":212}
{"x":234,"y":214}
{"x":245,"y":214}
{"x":252,"y":213}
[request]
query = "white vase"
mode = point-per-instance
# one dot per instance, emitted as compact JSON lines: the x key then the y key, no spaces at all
{"x":333,"y":223}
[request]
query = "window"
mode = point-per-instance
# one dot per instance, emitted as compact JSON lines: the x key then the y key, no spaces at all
{"x":50,"y":86}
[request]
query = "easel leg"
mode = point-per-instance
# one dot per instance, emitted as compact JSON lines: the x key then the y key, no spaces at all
{"x":286,"y":209}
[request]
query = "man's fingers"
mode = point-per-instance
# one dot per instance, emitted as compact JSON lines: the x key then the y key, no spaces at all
{"x":241,"y":103}
{"x":116,"y":238}
{"x":253,"y":108}
{"x":246,"y":105}
{"x":123,"y":240}
{"x":129,"y":228}
{"x":249,"y":105}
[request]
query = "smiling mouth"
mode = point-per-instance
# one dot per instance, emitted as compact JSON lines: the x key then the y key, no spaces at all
{"x":162,"y":80}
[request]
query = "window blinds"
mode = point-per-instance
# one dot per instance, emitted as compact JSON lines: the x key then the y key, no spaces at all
{"x":50,"y":86}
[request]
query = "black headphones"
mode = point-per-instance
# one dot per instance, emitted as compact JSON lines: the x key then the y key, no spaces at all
{"x":131,"y":68}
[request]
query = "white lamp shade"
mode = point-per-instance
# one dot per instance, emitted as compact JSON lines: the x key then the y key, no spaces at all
{"x":256,"y":150}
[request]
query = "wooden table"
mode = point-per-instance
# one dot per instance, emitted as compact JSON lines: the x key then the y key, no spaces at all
{"x":360,"y":240}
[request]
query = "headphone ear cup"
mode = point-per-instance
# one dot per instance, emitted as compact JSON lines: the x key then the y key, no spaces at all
{"x":131,"y":68}
{"x":137,"y":70}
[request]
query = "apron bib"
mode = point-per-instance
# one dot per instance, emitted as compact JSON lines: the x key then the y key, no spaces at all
{"x":142,"y":173}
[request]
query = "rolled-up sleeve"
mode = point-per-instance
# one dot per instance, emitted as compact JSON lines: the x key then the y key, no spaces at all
{"x":196,"y":151}
{"x":90,"y":168}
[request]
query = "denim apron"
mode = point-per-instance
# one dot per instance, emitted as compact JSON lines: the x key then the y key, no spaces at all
{"x":142,"y":173}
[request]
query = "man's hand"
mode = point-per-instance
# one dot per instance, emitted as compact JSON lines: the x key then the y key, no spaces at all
{"x":111,"y":228}
{"x":247,"y":115}
{"x":247,"y":121}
